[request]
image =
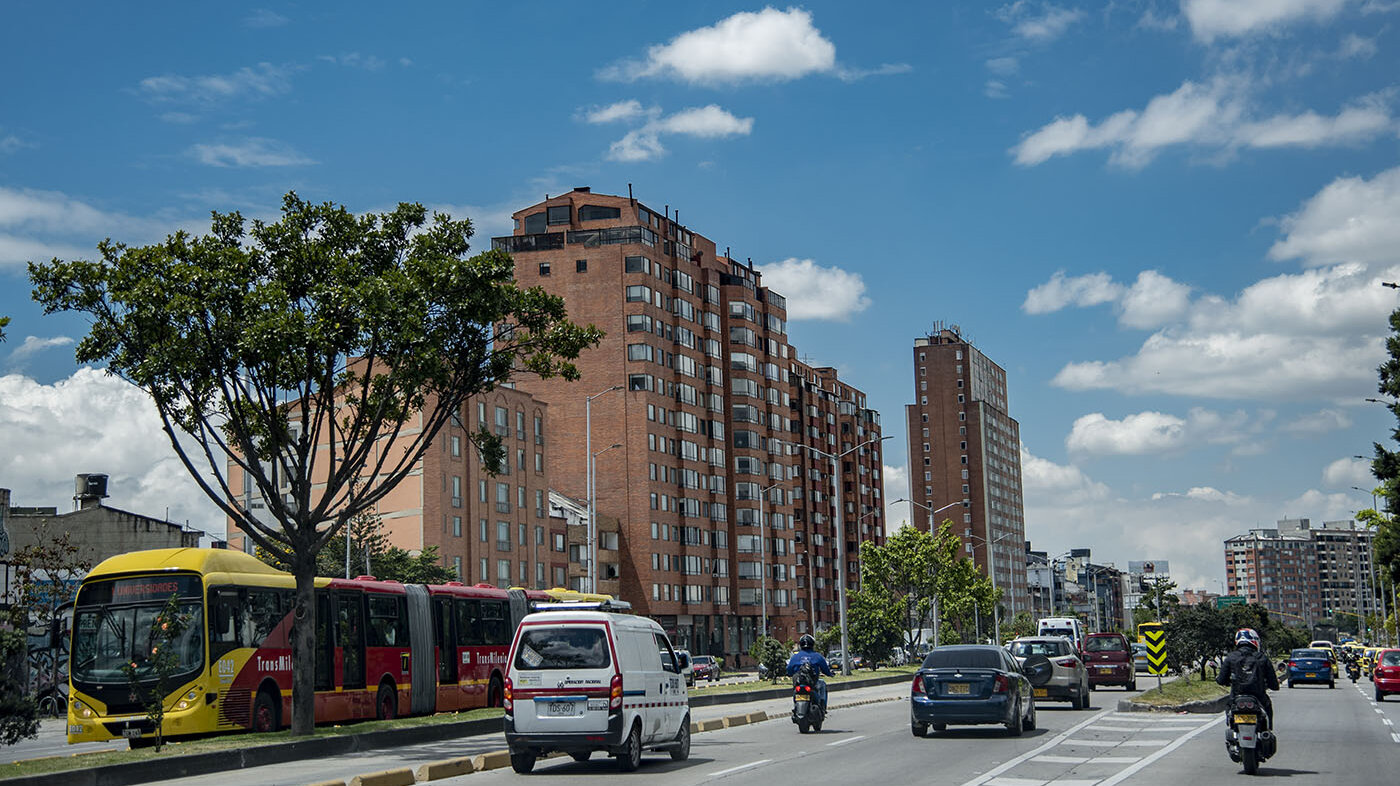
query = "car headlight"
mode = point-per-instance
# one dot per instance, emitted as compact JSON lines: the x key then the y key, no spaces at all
{"x":81,"y":710}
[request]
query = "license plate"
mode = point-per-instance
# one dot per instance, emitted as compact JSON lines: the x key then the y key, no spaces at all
{"x":131,"y":734}
{"x":1041,"y":693}
{"x":1312,"y":674}
{"x":801,"y":697}
{"x":1105,"y":669}
{"x":959,"y":689}
{"x":1246,"y":718}
{"x":561,"y":708}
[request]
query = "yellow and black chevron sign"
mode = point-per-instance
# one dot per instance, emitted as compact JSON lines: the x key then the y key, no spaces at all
{"x":1156,"y":651}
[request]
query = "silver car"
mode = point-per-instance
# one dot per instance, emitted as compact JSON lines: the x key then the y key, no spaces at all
{"x":1069,"y":681}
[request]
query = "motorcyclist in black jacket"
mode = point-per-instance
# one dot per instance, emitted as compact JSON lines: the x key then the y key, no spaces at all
{"x":1247,"y":660}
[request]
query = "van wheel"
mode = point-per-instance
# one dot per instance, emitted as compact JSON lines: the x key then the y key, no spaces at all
{"x":522,"y":763}
{"x":630,"y":757}
{"x":682,"y":750}
{"x":495,"y":692}
{"x":386,"y":704}
{"x":265,"y":713}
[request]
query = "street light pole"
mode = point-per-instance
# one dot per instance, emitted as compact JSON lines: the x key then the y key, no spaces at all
{"x":933,"y":532}
{"x":763,"y":558}
{"x":590,"y":546}
{"x":841,"y":543}
{"x":592,"y":509}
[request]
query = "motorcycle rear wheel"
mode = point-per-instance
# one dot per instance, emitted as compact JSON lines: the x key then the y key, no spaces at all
{"x":802,"y":727}
{"x":1251,"y":761}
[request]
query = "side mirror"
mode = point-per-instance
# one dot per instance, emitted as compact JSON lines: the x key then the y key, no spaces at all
{"x":668,"y":663}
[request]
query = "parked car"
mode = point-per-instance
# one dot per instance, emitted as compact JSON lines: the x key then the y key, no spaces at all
{"x":705,"y":667}
{"x":1109,"y":661}
{"x":1140,"y":663}
{"x":1311,"y":666}
{"x":972,"y":684}
{"x":1387,"y":673}
{"x":835,"y":657}
{"x":1069,"y":681}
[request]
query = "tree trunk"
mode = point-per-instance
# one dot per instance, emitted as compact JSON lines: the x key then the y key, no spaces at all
{"x":304,"y":651}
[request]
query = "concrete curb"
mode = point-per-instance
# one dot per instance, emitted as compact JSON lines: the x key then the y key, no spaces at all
{"x":1205,"y":707}
{"x":396,"y":777}
{"x":445,"y":769}
{"x":491,"y":761}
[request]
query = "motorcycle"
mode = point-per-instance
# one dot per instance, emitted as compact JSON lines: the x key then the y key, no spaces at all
{"x":1249,"y":738}
{"x":1353,"y":671}
{"x":808,"y":711}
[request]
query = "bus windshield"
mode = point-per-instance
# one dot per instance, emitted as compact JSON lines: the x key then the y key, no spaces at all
{"x":106,"y":639}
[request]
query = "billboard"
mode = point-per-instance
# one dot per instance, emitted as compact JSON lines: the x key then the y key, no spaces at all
{"x":1156,"y":567}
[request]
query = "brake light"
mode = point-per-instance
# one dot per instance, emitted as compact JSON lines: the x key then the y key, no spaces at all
{"x":1002,"y":684}
{"x":615,"y":693}
{"x":1293,"y":664}
{"x":918,"y":689}
{"x":507,"y":698}
{"x":1068,"y":661}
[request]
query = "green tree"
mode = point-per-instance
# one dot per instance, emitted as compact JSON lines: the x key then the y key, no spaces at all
{"x":1156,"y":592}
{"x":19,"y":713}
{"x":910,"y":570}
{"x":772,"y":655}
{"x":1023,"y":624}
{"x":829,"y":639}
{"x":968,"y":599}
{"x":385,"y":561}
{"x":1385,"y":464}
{"x":1197,"y":635}
{"x":151,"y":674}
{"x":874,"y":627}
{"x":362,"y":334}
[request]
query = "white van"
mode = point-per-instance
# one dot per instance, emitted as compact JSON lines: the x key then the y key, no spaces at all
{"x":580,"y":681}
{"x":1069,"y":627}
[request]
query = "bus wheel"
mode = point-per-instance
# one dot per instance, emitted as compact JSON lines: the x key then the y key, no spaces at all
{"x":264,"y":713}
{"x":387,"y":704}
{"x":494,"y":692}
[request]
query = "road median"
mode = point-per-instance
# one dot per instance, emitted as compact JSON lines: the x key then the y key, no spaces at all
{"x":1188,"y":693}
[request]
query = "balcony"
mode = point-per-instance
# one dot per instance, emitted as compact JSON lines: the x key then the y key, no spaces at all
{"x":516,"y":243}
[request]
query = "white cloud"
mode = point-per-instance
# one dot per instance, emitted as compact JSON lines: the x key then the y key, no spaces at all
{"x":39,"y":225}
{"x":1348,"y":472}
{"x":644,"y":143}
{"x":261,"y":81}
{"x":1060,"y":292}
{"x":1038,"y":21}
{"x":816,"y":292}
{"x":1210,"y":116}
{"x":17,"y":251}
{"x":1352,"y":219}
{"x":1134,"y":435}
{"x":1152,"y":301}
{"x":1355,"y":46}
{"x":763,"y":46}
{"x":33,"y":345}
{"x":630,"y":109}
{"x":1324,"y":421}
{"x":1151,"y":19}
{"x":355,"y":60}
{"x":263,"y":18}
{"x":851,"y":74}
{"x":253,"y":151}
{"x":995,"y":89}
{"x":1003,"y":66}
{"x":92,"y":422}
{"x":1211,"y":19}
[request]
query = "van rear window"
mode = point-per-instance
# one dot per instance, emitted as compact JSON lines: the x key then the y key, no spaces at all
{"x":562,"y":647}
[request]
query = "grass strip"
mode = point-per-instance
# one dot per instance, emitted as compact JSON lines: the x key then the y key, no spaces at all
{"x":1185,"y":689}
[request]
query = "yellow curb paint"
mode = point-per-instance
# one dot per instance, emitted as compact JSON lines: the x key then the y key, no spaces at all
{"x":445,"y":769}
{"x":399,"y":777}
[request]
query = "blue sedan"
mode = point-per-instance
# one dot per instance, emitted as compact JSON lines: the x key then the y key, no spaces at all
{"x":974,"y":684}
{"x":1308,"y":665}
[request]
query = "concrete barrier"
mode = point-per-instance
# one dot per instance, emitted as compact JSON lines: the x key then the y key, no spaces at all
{"x":491,"y":761}
{"x":757,"y":717}
{"x":451,"y":768}
{"x":735,"y":720}
{"x":710,"y":725}
{"x":399,"y":777}
{"x":1205,"y":707}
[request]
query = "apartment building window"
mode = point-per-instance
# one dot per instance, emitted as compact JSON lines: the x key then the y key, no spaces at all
{"x":503,"y":536}
{"x":503,"y":572}
{"x":520,"y":535}
{"x":457,"y":526}
{"x":925,"y":447}
{"x":485,"y":574}
{"x":580,"y":266}
{"x":640,"y":352}
{"x":559,"y":214}
{"x":457,"y":567}
{"x":544,"y":268}
{"x":961,"y":398}
{"x":559,"y":543}
{"x":456,"y":491}
{"x":502,"y":422}
{"x":637,"y":293}
{"x":456,"y":442}
{"x":502,"y":497}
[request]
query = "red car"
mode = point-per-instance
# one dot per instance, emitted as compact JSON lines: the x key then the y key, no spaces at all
{"x":1109,"y":661}
{"x":1387,"y":673}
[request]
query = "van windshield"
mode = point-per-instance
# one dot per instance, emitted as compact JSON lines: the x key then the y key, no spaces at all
{"x":562,"y":647}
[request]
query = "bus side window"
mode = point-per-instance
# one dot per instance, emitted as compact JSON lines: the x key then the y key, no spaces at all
{"x":468,"y":623}
{"x":385,"y":622}
{"x":494,"y":629}
{"x":227,"y":628}
{"x":264,"y":613}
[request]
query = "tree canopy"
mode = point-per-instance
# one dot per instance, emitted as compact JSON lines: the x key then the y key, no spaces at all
{"x":317,"y":355}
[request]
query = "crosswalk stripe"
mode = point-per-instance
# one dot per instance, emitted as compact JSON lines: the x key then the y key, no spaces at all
{"x":1061,"y":759}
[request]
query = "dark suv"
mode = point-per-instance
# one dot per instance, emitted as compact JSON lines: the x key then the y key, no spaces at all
{"x":1109,"y":660}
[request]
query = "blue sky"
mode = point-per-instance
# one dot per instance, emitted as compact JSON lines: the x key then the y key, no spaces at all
{"x":1167,"y":219}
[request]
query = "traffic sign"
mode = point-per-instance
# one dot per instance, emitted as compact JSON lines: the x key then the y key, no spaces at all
{"x":1230,"y":600}
{"x":1156,"y":641}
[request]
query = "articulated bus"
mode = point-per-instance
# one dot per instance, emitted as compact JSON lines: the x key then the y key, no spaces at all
{"x":1144,"y":627}
{"x":383,"y":649}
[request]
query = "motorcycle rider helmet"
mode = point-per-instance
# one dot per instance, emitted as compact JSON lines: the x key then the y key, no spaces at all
{"x":1247,"y":636}
{"x":806,"y":643}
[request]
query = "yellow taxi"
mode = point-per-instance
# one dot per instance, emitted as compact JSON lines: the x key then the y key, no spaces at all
{"x":1368,"y":661}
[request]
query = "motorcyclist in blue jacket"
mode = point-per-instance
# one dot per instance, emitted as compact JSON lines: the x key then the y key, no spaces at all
{"x":807,"y":653}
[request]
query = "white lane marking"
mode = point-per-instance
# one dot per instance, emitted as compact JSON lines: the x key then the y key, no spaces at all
{"x":1118,"y":728}
{"x":1061,"y":759}
{"x":1094,"y":743}
{"x":1016,"y":782}
{"x":1136,"y":717}
{"x":1115,"y":760}
{"x":1387,"y":721}
{"x":748,"y":766}
{"x":1134,"y":768}
{"x":1395,"y":736}
{"x":1147,"y":743}
{"x":985,"y":777}
{"x":843,"y":742}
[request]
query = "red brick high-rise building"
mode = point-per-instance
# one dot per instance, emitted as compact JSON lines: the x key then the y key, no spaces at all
{"x":964,"y":446}
{"x":709,"y":429}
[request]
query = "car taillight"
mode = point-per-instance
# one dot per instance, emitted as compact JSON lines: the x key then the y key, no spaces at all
{"x":507,"y":697}
{"x":1293,"y":664}
{"x":1002,"y":684}
{"x":1068,"y":662}
{"x":615,"y":693}
{"x":918,"y":689}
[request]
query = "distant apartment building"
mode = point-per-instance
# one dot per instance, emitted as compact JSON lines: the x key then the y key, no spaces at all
{"x":492,"y":529}
{"x":964,"y":446}
{"x":702,"y":419}
{"x":1276,"y":568}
